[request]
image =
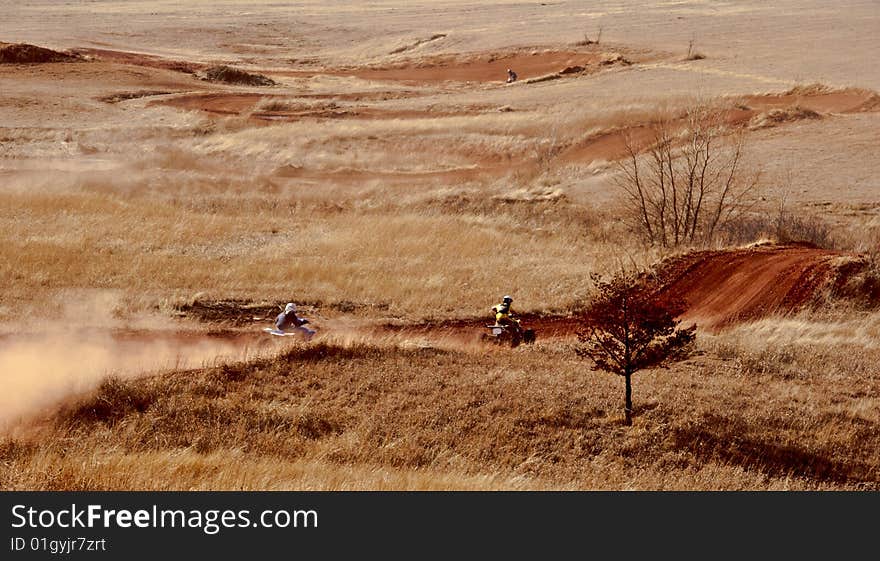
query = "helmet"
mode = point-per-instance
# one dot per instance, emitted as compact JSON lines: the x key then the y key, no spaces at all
{"x":290,"y":307}
{"x":507,"y":299}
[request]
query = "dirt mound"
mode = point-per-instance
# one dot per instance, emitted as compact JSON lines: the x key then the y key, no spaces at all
{"x":721,"y":288}
{"x":230,"y":75}
{"x":24,"y":53}
{"x":778,"y":116}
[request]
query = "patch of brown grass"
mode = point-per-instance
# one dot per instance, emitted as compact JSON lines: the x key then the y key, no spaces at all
{"x":125,"y":96}
{"x":270,"y":104}
{"x":24,"y":53}
{"x":230,"y":75}
{"x":254,"y":247}
{"x":112,"y":401}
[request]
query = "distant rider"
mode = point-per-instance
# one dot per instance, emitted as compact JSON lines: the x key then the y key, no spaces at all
{"x":511,"y":76}
{"x":288,"y":320}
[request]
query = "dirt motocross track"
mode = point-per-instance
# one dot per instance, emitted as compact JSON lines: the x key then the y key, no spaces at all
{"x":719,"y":288}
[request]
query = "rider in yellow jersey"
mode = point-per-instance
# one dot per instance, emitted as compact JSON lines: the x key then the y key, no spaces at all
{"x":503,"y":312}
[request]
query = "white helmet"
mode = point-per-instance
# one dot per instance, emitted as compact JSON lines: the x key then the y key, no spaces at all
{"x":290,"y":307}
{"x":507,"y":299}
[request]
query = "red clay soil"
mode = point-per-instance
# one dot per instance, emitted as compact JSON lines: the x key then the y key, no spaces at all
{"x":721,"y":288}
{"x":179,"y":338}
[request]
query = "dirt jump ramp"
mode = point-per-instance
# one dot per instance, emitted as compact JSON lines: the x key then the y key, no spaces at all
{"x":721,"y":288}
{"x":725,"y":287}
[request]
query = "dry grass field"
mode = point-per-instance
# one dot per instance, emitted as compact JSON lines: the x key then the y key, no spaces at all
{"x":172,"y":173}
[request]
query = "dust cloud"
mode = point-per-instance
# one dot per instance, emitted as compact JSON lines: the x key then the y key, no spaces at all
{"x":39,"y":371}
{"x":43,"y":363}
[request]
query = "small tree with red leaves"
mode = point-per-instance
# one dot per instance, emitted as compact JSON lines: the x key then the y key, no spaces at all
{"x":630,"y":327}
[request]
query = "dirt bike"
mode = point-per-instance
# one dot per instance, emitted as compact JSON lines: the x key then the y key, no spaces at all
{"x":509,"y":334}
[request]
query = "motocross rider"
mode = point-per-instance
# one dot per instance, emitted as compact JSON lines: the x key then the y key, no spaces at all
{"x":288,"y":319}
{"x":504,"y":313}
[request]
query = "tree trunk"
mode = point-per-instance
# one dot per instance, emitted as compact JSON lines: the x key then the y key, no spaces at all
{"x":628,"y":420}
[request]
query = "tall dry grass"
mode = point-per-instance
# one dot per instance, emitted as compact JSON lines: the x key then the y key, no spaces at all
{"x":436,"y":254}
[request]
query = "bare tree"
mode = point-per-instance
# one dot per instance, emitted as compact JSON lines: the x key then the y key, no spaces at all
{"x":587,"y":41}
{"x":692,"y":54}
{"x":632,"y":328}
{"x":684,"y":178}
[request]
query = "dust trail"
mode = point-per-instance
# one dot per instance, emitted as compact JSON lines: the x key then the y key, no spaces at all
{"x":40,"y":371}
{"x":42,"y":368}
{"x":82,"y":336}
